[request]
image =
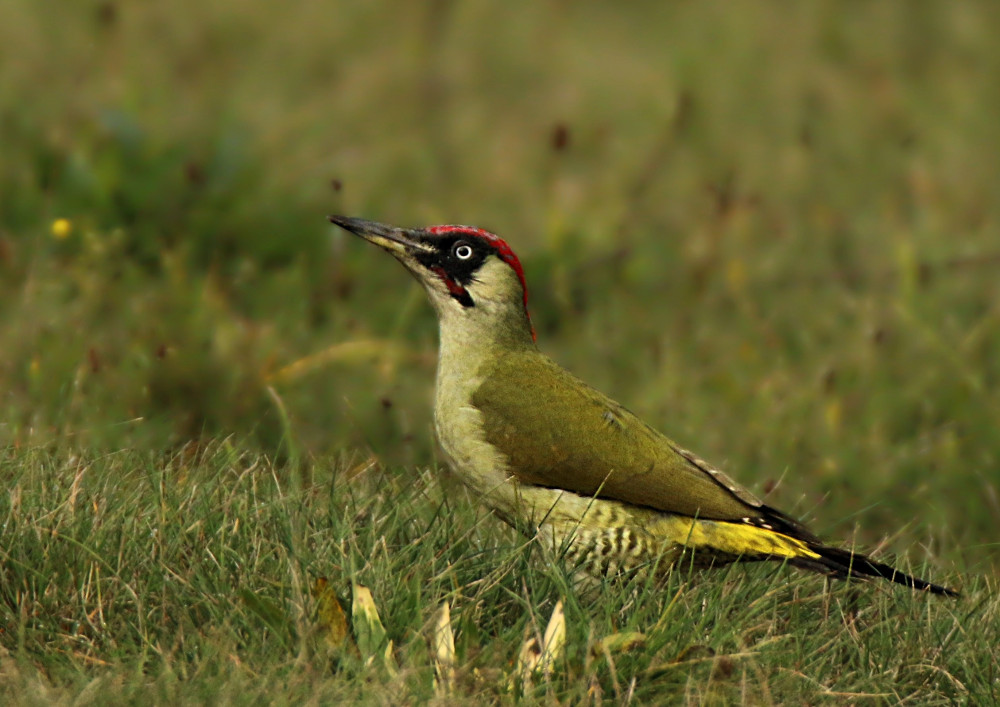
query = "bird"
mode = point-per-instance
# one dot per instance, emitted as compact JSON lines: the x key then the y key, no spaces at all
{"x":560,"y":461}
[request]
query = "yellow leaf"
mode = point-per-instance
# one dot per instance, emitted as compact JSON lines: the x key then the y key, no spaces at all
{"x":554,"y":640}
{"x":443,"y":650}
{"x":368,"y":628}
{"x":367,"y":624}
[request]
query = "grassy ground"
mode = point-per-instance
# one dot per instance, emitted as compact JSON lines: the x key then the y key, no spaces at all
{"x":770,"y":230}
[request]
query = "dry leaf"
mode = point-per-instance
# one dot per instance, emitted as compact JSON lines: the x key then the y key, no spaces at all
{"x":330,"y":617}
{"x":554,"y":640}
{"x":443,"y":650}
{"x":533,"y":658}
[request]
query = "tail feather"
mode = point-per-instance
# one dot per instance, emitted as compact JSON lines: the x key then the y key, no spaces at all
{"x":777,"y":537}
{"x":844,"y":563}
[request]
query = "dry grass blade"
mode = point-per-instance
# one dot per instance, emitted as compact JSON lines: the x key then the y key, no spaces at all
{"x":388,"y":353}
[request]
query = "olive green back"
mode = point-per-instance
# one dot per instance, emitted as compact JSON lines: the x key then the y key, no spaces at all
{"x":558,"y":432}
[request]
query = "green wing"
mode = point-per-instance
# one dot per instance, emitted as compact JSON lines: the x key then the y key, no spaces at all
{"x":558,"y":432}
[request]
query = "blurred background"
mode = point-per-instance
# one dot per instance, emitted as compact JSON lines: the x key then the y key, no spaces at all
{"x":771,"y":229}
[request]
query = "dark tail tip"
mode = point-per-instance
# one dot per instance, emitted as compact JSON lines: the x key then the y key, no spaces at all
{"x":844,"y":563}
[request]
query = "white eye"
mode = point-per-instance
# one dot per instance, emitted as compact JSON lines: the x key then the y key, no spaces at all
{"x":462,"y":251}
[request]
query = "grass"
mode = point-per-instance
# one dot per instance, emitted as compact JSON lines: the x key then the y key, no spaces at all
{"x":769,"y":231}
{"x":186,"y":578}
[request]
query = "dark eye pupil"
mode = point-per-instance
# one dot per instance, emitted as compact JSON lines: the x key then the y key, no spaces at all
{"x":463,"y":251}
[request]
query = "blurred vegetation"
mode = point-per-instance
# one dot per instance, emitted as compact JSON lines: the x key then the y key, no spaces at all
{"x":769,"y":229}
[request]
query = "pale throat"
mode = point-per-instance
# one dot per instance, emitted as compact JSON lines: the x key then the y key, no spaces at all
{"x":497,"y":317}
{"x":470,"y":337}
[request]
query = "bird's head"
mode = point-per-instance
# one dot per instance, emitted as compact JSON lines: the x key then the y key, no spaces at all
{"x":472,"y":276}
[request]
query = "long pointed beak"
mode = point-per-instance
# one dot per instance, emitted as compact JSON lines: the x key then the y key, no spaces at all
{"x":397,"y":241}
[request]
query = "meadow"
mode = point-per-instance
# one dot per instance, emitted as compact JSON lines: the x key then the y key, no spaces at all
{"x":771,"y":230}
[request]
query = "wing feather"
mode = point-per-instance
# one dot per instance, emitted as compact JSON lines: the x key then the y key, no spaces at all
{"x":556,"y":431}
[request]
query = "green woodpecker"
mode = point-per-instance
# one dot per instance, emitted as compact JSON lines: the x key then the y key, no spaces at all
{"x":554,"y":457}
